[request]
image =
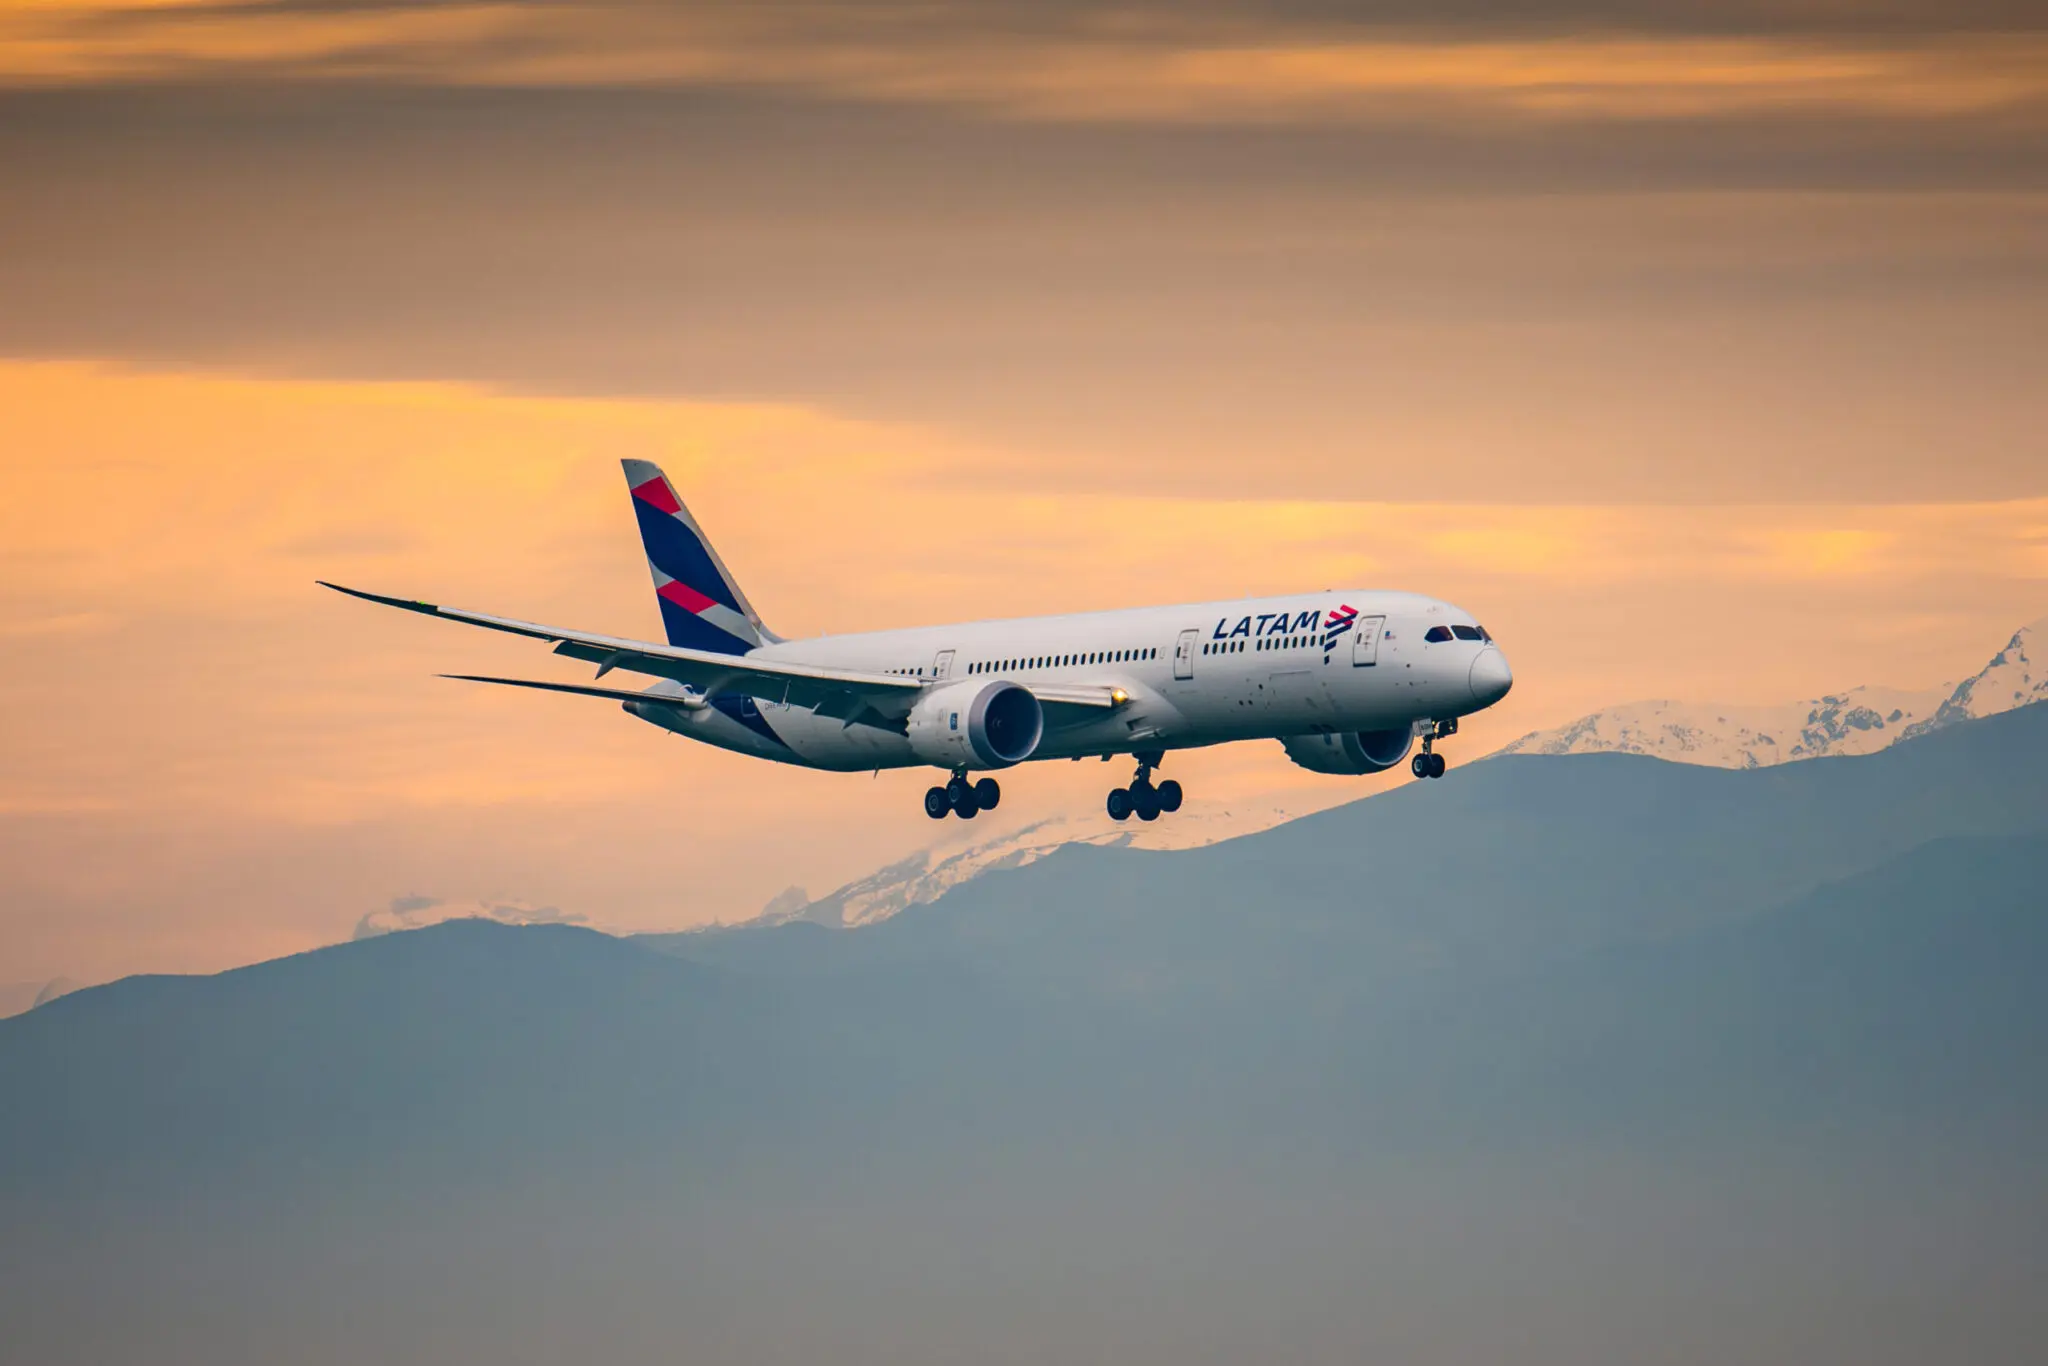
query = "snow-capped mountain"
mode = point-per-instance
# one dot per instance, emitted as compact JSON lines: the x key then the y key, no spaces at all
{"x":1857,"y":721}
{"x":930,"y":873}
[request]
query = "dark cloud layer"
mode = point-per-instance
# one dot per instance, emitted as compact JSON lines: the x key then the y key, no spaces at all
{"x":1800,"y":306}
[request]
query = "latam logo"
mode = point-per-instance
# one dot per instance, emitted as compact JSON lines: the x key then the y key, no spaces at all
{"x":1332,"y":627}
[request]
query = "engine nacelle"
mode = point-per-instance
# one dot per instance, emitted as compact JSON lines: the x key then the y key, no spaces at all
{"x":981,"y":725}
{"x":1353,"y":752}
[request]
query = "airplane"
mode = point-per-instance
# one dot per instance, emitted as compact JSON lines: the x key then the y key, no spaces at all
{"x":1346,"y":681}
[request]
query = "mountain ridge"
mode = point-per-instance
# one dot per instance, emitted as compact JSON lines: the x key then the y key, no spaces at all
{"x":1860,"y":720}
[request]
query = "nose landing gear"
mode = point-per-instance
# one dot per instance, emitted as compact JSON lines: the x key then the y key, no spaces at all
{"x":962,"y":798}
{"x":1430,"y":764}
{"x":1141,"y":798}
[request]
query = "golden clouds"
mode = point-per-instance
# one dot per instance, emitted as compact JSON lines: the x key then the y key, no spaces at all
{"x":1169,"y":69}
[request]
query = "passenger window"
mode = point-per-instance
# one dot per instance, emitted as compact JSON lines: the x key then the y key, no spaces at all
{"x":1437,"y":634}
{"x":1466,"y":632}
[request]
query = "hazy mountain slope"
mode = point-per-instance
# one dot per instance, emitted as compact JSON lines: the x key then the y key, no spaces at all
{"x":1501,"y":864}
{"x":1881,"y":1011}
{"x":1335,"y":1084}
{"x":1858,"y":721}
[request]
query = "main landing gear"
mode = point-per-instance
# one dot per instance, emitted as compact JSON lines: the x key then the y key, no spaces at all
{"x":1141,"y":798}
{"x":962,"y":798}
{"x":1430,"y":764}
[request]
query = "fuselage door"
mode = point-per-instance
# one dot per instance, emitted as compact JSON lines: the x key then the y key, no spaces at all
{"x":1184,"y":653}
{"x":943,"y":665}
{"x":1365,"y":641}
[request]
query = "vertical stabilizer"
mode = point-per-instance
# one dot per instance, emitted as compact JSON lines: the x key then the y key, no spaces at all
{"x":702,"y":608}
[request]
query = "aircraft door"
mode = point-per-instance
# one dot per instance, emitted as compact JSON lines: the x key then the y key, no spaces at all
{"x":1365,"y":641}
{"x":943,"y":665}
{"x":1184,"y":653}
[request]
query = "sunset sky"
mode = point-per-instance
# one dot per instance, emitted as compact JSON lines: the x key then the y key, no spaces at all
{"x":1701,"y":357}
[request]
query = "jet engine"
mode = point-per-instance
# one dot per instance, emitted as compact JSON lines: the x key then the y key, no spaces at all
{"x":1350,"y":752}
{"x":981,"y":725}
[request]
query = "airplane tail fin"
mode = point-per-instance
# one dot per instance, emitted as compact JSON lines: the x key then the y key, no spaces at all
{"x":702,"y":607}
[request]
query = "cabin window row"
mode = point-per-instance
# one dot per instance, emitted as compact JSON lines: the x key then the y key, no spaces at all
{"x":1003,"y":666}
{"x":1236,"y":647}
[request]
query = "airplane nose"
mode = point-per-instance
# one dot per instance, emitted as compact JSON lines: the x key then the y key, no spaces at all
{"x":1491,"y":677}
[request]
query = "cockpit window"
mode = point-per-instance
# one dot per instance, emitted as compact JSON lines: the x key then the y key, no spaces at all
{"x":1437,"y":634}
{"x":1467,"y":633}
{"x":1483,"y":635}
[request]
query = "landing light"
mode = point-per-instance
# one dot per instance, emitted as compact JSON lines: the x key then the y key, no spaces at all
{"x":1118,"y":696}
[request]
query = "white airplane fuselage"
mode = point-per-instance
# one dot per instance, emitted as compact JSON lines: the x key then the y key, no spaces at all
{"x":1200,"y":674}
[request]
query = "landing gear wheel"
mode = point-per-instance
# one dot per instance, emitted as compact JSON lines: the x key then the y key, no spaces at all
{"x":987,"y":793}
{"x":1437,"y":765}
{"x":1421,"y":765}
{"x":1119,"y":804}
{"x":1169,"y":796}
{"x":937,"y":803}
{"x":1145,"y":801}
{"x":964,"y":804}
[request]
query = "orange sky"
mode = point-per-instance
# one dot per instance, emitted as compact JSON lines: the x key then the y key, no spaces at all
{"x":1699,"y":362}
{"x":178,"y":694}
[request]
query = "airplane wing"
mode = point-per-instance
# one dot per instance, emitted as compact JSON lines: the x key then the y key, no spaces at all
{"x":845,"y":693}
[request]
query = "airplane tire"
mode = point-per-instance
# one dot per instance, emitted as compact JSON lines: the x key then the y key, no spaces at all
{"x":937,"y":803}
{"x":1420,"y":765}
{"x":1169,"y":796}
{"x":1119,"y":804}
{"x":1146,"y":803}
{"x":964,"y":804}
{"x":987,"y":793}
{"x":1437,"y":765}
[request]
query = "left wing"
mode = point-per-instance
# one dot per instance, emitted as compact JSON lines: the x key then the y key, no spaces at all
{"x":844,"y":693}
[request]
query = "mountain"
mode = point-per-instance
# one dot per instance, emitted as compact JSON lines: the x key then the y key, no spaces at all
{"x":1858,"y":721}
{"x":1505,"y":859}
{"x":930,"y":873}
{"x":1464,"y":1064}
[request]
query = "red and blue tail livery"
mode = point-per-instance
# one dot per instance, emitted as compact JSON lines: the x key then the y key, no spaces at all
{"x":969,"y":698}
{"x":701,"y":607}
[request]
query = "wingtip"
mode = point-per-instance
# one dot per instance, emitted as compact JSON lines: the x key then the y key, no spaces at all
{"x":409,"y":604}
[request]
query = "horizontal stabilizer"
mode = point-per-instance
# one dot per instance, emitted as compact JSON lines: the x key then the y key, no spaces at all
{"x":690,"y":702}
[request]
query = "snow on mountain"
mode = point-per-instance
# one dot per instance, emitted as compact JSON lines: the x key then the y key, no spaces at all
{"x":930,"y":873}
{"x":1857,"y":721}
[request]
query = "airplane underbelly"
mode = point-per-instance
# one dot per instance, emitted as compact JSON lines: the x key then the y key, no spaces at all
{"x":828,"y":742}
{"x":786,"y":734}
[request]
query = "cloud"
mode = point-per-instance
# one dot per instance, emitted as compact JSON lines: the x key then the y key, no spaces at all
{"x":1224,"y":64}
